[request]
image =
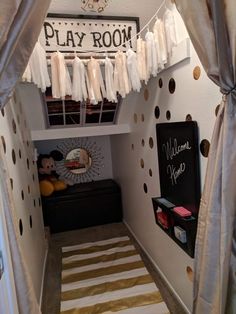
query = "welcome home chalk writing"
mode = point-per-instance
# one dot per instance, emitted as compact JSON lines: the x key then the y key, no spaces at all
{"x":172,"y":148}
{"x":175,"y":173}
{"x":82,"y":35}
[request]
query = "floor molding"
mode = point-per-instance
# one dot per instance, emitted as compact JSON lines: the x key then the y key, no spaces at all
{"x":43,"y":277}
{"x":158,"y":269}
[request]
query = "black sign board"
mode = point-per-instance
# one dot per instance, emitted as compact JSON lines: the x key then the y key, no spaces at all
{"x":178,"y":155}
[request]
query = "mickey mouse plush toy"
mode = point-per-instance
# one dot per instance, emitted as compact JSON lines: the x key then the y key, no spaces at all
{"x":48,"y":178}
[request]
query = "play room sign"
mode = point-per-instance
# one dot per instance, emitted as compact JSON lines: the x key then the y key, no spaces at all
{"x":70,"y":33}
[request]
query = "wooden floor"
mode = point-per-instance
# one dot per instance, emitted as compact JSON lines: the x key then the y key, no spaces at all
{"x":52,"y":283}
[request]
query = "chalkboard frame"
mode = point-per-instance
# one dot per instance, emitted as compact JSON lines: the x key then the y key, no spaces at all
{"x":192,"y":128}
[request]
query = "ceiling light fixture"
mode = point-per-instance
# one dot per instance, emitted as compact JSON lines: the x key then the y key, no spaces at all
{"x":94,"y":5}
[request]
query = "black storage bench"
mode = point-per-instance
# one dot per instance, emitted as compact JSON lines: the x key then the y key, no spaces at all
{"x":83,"y":205}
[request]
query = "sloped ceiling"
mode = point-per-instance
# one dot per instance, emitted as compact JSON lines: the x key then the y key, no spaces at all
{"x":143,"y":9}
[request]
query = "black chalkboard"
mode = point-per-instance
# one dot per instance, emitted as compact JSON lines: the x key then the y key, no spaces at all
{"x":178,"y":155}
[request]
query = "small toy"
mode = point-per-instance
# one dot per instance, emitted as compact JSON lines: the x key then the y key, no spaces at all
{"x":163,"y":219}
{"x":180,"y":234}
{"x":48,"y":178}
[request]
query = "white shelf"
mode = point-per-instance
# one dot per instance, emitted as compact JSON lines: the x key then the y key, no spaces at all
{"x":51,"y":134}
{"x":179,"y":53}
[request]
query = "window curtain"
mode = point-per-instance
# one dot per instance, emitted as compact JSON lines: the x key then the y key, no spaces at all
{"x":20,"y":24}
{"x":212,"y":28}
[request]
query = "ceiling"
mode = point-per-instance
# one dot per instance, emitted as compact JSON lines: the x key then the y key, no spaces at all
{"x":143,"y":9}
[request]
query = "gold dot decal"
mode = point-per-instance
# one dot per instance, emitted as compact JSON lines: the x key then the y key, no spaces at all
{"x":13,"y":155}
{"x":189,"y":272}
{"x":14,"y":126}
{"x":205,"y":147}
{"x":145,"y":188}
{"x":11,"y":183}
{"x":168,"y":115}
{"x":27,"y":162}
{"x":157,"y":112}
{"x":196,"y":72}
{"x":172,"y":86}
{"x":4,"y":144}
{"x":21,"y":227}
{"x":188,"y":117}
{"x":142,"y":163}
{"x":30,"y":222}
{"x":151,"y":142}
{"x":146,"y":94}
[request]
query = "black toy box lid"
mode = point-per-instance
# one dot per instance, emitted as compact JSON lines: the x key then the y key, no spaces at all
{"x":84,"y":189}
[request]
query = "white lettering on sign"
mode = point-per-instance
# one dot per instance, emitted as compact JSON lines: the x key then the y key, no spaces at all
{"x":172,"y":148}
{"x":175,"y":173}
{"x":68,"y":34}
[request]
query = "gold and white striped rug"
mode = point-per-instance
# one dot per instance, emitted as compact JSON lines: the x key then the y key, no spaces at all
{"x":106,"y":277}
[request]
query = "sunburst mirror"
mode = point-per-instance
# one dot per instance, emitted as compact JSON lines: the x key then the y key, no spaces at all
{"x":82,"y":160}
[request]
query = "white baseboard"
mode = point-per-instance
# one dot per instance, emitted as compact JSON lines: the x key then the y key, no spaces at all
{"x":158,"y":270}
{"x":43,"y":277}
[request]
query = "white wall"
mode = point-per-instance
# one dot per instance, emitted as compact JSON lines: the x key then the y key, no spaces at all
{"x":14,"y":132}
{"x":101,"y":142}
{"x":196,"y":97}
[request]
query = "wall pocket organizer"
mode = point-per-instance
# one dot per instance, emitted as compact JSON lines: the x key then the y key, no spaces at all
{"x":176,"y":210}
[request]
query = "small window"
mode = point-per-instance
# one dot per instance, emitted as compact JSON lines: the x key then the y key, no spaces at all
{"x":67,"y":112}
